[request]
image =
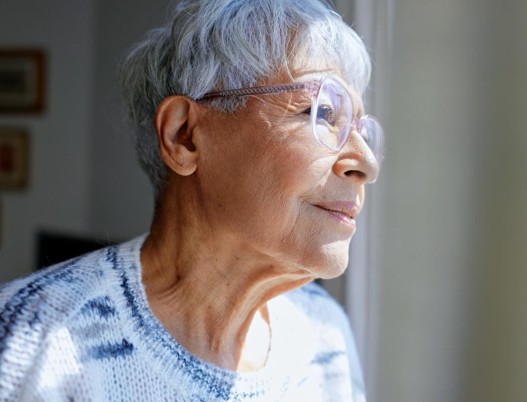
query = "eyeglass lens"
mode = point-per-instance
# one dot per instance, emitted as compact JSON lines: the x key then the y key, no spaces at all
{"x":333,"y":115}
{"x":333,"y":120}
{"x":371,"y":131}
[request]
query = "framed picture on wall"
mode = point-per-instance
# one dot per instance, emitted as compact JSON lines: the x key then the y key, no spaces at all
{"x":14,"y":158}
{"x":21,"y":81}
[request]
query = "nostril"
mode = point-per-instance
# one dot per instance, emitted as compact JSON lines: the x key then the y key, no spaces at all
{"x":357,"y":173}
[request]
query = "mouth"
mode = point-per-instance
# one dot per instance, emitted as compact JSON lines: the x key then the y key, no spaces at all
{"x":343,"y":211}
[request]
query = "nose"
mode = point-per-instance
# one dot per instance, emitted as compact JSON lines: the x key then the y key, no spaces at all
{"x":356,"y":160}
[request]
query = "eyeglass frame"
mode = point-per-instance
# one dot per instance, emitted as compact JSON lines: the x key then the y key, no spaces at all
{"x":313,"y":87}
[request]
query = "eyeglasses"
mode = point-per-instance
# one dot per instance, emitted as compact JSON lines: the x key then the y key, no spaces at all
{"x":333,"y":121}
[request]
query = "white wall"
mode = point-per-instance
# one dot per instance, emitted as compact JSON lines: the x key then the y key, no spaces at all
{"x":58,"y":195}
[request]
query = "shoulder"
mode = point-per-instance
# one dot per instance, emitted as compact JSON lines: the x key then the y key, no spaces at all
{"x":60,"y":288}
{"x":335,"y":336}
{"x":327,"y":319}
{"x":34,"y":308}
{"x":32,"y":304}
{"x":49,"y":287}
{"x":55,"y":319}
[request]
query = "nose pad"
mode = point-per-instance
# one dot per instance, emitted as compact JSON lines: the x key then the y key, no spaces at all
{"x":356,"y":160}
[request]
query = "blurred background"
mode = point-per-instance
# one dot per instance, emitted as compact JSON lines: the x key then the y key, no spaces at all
{"x":437,"y":286}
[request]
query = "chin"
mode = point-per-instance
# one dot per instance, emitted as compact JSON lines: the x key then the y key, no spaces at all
{"x":331,"y":263}
{"x":331,"y":273}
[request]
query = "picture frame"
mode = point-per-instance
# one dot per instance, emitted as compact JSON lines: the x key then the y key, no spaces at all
{"x":14,"y":158}
{"x":21,"y":81}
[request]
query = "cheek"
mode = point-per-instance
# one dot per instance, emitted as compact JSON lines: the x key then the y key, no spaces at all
{"x":241,"y":179}
{"x":259,"y":183}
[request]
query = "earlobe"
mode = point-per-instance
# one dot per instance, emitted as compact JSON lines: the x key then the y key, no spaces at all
{"x":174,"y":127}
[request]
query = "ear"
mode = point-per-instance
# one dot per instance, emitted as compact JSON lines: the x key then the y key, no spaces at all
{"x":174,"y":125}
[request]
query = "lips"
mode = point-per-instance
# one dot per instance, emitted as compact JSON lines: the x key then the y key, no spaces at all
{"x":342,"y":212}
{"x":347,"y":209}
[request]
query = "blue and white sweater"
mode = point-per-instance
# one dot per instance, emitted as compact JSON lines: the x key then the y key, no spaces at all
{"x":83,"y":331}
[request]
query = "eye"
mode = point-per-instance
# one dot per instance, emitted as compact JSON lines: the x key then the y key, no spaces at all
{"x":324,"y":112}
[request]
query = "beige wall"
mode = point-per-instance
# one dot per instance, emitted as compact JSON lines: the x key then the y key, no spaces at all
{"x":499,"y":339}
{"x":453,"y":287}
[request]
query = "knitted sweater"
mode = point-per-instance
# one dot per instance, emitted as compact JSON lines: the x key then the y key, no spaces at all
{"x":82,"y":331}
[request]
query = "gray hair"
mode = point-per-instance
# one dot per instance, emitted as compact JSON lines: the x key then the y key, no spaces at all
{"x":211,"y":45}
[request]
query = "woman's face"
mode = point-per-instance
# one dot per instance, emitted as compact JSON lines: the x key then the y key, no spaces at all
{"x":266,"y":183}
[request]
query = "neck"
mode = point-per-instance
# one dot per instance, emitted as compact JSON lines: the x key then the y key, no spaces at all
{"x":210,"y":292}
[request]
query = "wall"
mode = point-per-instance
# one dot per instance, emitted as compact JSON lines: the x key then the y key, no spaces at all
{"x":84,"y":176}
{"x":58,"y":194}
{"x":121,"y":197}
{"x":498,"y":352}
{"x":452,"y":289}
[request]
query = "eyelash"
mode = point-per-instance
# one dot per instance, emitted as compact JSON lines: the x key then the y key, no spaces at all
{"x":307,"y":111}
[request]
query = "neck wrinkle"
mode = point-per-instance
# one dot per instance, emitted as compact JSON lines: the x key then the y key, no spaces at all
{"x":210,"y":294}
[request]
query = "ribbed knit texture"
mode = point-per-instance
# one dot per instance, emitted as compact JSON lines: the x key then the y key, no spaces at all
{"x":82,"y":331}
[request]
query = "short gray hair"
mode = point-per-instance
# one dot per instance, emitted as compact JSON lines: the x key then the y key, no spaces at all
{"x":211,"y":45}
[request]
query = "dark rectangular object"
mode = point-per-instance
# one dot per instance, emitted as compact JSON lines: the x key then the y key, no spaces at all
{"x":53,"y":248}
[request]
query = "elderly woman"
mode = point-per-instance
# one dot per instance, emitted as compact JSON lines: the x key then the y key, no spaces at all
{"x":248,"y":120}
